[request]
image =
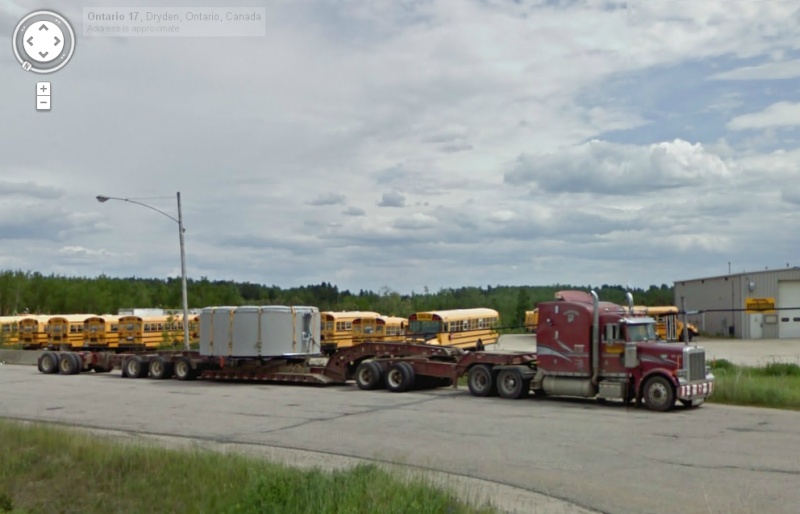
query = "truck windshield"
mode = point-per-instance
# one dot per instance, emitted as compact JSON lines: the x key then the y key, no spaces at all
{"x":641,"y":332}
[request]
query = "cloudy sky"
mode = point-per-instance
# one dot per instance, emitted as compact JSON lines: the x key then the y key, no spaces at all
{"x":416,"y":143}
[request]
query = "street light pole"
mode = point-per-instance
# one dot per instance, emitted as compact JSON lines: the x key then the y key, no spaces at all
{"x":183,"y":279}
{"x":181,"y":230}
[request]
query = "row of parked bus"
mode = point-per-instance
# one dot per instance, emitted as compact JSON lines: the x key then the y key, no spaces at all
{"x":462,"y":328}
{"x":75,"y":331}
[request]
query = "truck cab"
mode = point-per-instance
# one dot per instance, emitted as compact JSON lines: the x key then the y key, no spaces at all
{"x":590,"y":348}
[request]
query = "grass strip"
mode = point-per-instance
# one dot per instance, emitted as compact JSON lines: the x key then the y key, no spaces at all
{"x":46,"y":469}
{"x":776,"y":385}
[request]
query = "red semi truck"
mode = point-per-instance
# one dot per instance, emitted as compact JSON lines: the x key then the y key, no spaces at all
{"x":585,"y":348}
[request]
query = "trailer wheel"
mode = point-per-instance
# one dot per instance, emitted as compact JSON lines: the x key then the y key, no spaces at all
{"x":48,"y":363}
{"x":658,"y":394}
{"x":161,"y":368}
{"x":369,"y":376}
{"x":69,"y":364}
{"x":136,"y":367}
{"x":400,"y":377}
{"x":184,"y":370}
{"x":511,"y":385}
{"x":480,"y":381}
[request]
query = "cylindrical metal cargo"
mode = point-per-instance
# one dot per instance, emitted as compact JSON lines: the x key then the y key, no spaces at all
{"x":569,"y":386}
{"x":259,"y":331}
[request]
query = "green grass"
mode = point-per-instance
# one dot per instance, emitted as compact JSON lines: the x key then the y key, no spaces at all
{"x":775,"y":385}
{"x":53,"y":470}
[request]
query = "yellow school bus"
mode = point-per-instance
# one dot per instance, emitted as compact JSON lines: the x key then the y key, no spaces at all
{"x":194,"y":329}
{"x":9,"y":330}
{"x":149,"y":331}
{"x":337,"y":328}
{"x":66,"y":330}
{"x":470,"y":329}
{"x":32,"y":331}
{"x":379,"y":328}
{"x":102,"y":331}
{"x":669,"y":325}
{"x":531,"y":320}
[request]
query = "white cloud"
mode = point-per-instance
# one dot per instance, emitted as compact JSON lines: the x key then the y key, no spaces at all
{"x":780,"y":114}
{"x":617,"y":169}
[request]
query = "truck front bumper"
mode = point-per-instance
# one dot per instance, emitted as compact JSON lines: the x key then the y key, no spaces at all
{"x":695,"y":391}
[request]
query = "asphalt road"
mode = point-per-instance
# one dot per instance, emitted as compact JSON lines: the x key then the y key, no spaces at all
{"x":712,"y":459}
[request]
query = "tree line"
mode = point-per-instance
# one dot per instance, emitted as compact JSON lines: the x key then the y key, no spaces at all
{"x":34,"y":293}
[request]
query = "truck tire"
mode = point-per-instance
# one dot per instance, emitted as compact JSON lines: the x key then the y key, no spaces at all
{"x":400,"y":377}
{"x":136,"y":367}
{"x":369,"y":376}
{"x":48,"y":363}
{"x":658,"y":394}
{"x":69,"y":364}
{"x":481,"y":382}
{"x":184,"y":369}
{"x":511,"y":385}
{"x":161,"y":368}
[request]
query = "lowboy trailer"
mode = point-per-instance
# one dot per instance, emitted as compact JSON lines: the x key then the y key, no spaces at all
{"x":396,"y":366}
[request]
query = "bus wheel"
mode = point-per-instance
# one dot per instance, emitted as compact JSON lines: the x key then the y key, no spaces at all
{"x":400,"y":377}
{"x":480,"y":381}
{"x":479,"y":346}
{"x":369,"y":376}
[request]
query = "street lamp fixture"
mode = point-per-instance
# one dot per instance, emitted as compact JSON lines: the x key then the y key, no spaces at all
{"x":181,"y":230}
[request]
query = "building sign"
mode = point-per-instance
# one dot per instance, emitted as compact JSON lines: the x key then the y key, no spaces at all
{"x":756,"y":305}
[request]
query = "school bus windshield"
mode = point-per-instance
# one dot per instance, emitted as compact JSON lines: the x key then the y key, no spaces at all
{"x":424,"y":327}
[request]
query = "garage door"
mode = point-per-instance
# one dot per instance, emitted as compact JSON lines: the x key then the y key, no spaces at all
{"x":789,"y":321}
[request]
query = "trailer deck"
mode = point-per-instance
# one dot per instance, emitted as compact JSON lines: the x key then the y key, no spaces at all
{"x":399,"y":366}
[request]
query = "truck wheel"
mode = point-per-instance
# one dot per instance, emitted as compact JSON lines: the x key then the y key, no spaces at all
{"x":184,"y":370}
{"x":136,"y":367}
{"x":161,"y":369}
{"x":369,"y":376}
{"x":480,"y":381}
{"x":48,"y":363}
{"x":69,"y":364}
{"x":400,"y":377}
{"x":511,"y":385}
{"x":658,"y":394}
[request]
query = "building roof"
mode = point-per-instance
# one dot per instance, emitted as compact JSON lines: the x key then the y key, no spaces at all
{"x":741,"y":274}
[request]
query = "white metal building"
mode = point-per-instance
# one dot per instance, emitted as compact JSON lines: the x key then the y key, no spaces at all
{"x":728,"y":295}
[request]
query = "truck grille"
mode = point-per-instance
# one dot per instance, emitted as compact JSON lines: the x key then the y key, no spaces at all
{"x":697,"y":365}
